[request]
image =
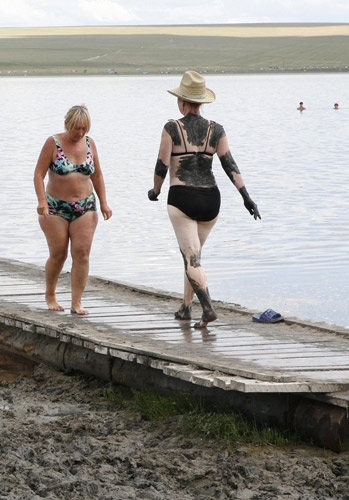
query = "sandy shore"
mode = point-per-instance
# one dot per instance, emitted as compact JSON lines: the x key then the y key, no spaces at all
{"x":61,"y":439}
{"x":224,"y":30}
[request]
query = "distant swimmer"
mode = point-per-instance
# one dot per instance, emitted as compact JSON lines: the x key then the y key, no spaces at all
{"x":301,"y":107}
{"x":336,"y":105}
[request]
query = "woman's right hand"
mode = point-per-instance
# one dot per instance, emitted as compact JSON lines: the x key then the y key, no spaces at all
{"x":42,"y":209}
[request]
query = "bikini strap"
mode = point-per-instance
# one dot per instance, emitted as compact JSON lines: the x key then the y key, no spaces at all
{"x":184,"y":143}
{"x":58,"y":144}
{"x":88,"y":144}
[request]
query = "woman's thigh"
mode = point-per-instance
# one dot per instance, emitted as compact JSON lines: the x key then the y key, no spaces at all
{"x":190,"y":233}
{"x":204,"y":229}
{"x":81,"y":232}
{"x":186,"y":230}
{"x":56,"y":230}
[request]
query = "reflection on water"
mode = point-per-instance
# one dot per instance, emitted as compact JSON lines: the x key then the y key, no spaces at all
{"x":295,"y":260}
{"x":13,"y":366}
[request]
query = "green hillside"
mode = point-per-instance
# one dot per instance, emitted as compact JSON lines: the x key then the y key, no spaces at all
{"x":97,"y":54}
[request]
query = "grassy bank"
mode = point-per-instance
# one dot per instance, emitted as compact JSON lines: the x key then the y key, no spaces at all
{"x":198,"y":418}
{"x":173,"y":49}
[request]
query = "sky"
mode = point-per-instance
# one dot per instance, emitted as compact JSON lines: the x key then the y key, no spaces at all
{"x":25,"y":13}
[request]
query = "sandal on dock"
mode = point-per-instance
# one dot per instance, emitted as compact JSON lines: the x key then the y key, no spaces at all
{"x":268,"y":316}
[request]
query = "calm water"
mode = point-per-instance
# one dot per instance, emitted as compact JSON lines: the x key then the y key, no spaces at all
{"x":295,"y":167}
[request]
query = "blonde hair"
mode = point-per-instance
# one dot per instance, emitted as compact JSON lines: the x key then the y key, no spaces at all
{"x":77,"y":115}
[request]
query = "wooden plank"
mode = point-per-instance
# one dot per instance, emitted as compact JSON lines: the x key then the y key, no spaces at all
{"x":35,"y":299}
{"x":9,"y":291}
{"x":319,"y":361}
{"x":270,"y":347}
{"x":256,"y":386}
{"x":290,"y":355}
{"x":244,"y":344}
{"x":21,"y":298}
{"x":339,"y":398}
{"x":125,"y":316}
{"x":181,"y":337}
{"x":16,"y":283}
{"x":140,"y":327}
{"x":335,"y":373}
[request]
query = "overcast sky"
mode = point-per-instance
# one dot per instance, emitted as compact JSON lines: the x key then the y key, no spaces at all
{"x":114,"y":12}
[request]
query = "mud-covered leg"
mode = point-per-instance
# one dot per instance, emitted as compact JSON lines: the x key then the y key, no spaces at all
{"x":198,"y":281}
{"x":184,"y":312}
{"x":191,"y":236}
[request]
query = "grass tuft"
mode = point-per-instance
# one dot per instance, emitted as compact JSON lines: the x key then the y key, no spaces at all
{"x":196,"y":418}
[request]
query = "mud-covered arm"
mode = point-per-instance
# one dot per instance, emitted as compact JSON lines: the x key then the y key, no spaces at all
{"x":162,"y":165}
{"x":233,"y":172}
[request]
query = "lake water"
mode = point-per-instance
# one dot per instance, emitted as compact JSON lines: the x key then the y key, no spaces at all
{"x":295,"y":166}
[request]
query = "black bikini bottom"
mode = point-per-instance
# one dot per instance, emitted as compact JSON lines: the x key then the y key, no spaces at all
{"x":198,"y":203}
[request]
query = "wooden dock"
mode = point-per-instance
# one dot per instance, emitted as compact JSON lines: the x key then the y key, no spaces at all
{"x":131,"y":326}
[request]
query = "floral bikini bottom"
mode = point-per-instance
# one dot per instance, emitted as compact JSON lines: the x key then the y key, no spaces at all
{"x":70,"y":210}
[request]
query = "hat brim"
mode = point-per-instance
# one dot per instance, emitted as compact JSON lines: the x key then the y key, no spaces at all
{"x":209,"y":97}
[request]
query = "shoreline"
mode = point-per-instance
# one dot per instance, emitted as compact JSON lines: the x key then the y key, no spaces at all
{"x":24,"y":74}
{"x":256,"y":30}
{"x":210,"y":49}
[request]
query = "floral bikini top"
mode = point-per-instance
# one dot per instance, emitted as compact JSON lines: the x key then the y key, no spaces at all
{"x":62,"y":165}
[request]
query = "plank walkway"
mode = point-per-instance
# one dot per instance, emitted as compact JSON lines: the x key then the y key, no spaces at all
{"x":135,"y":323}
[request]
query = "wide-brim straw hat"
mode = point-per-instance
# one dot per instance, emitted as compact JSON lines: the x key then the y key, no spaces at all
{"x":193,"y":89}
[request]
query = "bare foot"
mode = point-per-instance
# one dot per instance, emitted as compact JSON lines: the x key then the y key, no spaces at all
{"x":184,"y":312}
{"x":78,"y":309}
{"x":206,"y":318}
{"x":52,"y":303}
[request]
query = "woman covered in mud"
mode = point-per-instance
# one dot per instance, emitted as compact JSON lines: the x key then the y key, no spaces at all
{"x":67,"y":209}
{"x":187,"y":148}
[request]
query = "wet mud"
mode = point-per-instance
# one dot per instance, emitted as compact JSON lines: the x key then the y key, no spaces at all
{"x":13,"y":366}
{"x":61,"y":439}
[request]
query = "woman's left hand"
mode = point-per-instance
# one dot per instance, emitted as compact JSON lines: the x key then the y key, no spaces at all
{"x":152,"y":195}
{"x":106,"y":211}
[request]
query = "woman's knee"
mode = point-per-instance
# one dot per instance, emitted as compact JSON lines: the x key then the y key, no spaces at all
{"x":59,"y":255}
{"x":80,"y":255}
{"x":191,"y":257}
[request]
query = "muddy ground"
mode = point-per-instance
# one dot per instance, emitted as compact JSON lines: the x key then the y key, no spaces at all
{"x":62,"y":439}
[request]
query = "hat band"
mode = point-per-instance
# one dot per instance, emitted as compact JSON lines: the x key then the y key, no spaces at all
{"x":193,"y":96}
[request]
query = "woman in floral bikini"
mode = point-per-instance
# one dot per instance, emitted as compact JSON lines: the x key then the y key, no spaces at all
{"x":67,"y":209}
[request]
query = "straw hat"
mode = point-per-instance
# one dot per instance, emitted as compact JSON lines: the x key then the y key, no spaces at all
{"x":193,"y":89}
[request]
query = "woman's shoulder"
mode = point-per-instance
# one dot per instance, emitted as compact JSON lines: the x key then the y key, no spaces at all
{"x":171,"y":122}
{"x":217,"y":131}
{"x":216,"y":125}
{"x":171,"y":128}
{"x":50,"y":141}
